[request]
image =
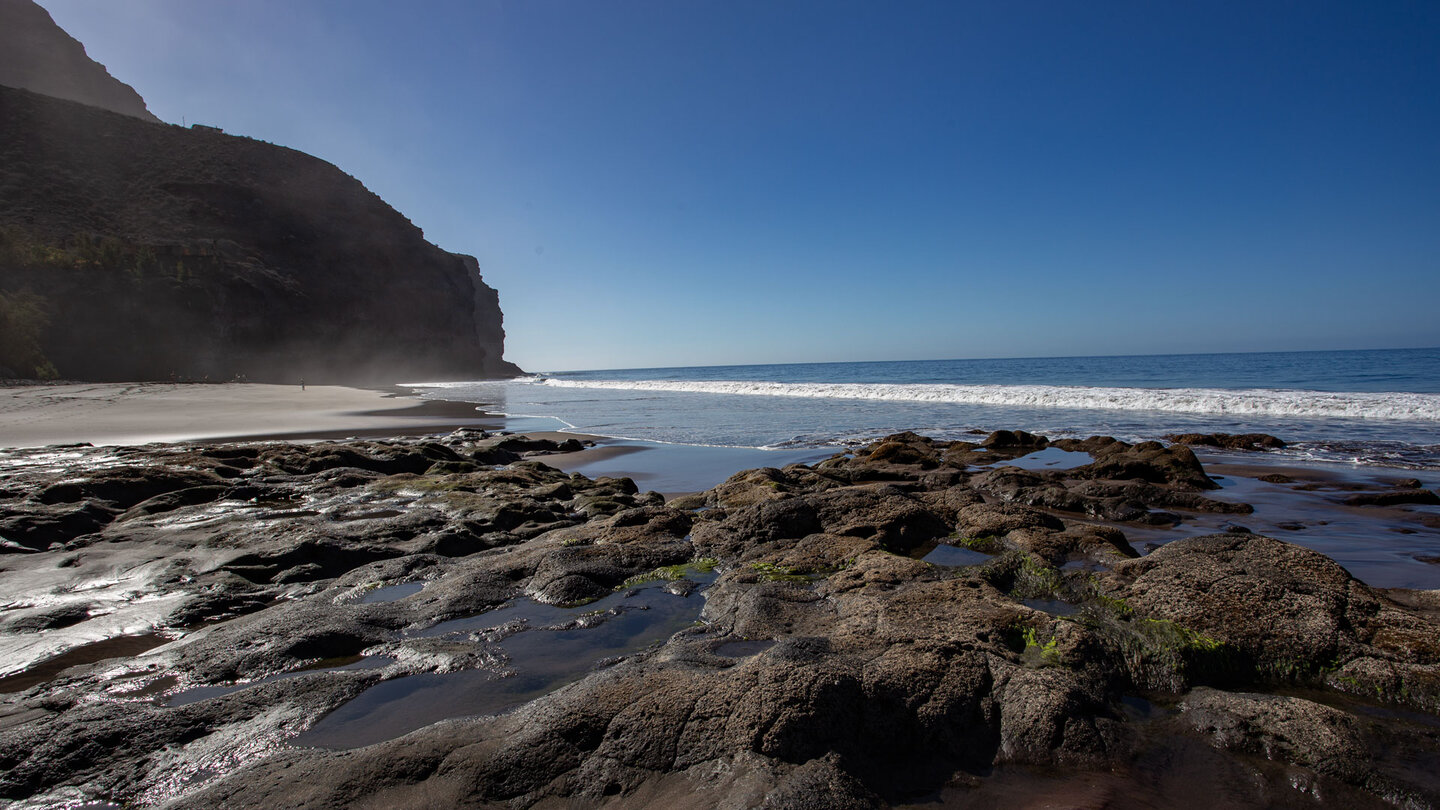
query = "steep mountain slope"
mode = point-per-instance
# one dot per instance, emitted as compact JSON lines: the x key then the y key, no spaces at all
{"x":36,"y":54}
{"x":134,"y":250}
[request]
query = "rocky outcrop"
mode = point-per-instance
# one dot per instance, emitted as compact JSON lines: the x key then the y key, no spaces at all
{"x":1228,"y":441}
{"x":36,"y":54}
{"x":1394,"y":497}
{"x":831,"y":665}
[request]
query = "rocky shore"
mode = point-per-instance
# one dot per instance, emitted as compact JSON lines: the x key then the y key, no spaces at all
{"x":451,"y":622}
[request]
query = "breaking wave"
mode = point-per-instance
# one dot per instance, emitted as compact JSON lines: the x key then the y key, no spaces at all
{"x":1249,"y":402}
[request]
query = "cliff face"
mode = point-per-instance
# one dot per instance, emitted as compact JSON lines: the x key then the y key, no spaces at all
{"x":36,"y":54}
{"x":133,"y":250}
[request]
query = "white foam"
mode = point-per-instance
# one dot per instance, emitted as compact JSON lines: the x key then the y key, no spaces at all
{"x":1250,"y":402}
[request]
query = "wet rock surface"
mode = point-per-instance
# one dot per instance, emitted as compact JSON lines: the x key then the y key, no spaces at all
{"x":775,"y":641}
{"x":1229,"y":441}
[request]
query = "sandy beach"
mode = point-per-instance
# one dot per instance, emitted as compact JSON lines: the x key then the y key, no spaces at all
{"x":136,"y":413}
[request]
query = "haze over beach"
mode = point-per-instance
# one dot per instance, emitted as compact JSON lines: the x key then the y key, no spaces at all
{"x":714,"y":405}
{"x":658,"y":184}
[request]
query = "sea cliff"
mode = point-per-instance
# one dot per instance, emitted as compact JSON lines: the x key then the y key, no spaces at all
{"x":133,"y":250}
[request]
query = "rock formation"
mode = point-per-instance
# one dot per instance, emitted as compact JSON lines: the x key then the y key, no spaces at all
{"x":481,"y":596}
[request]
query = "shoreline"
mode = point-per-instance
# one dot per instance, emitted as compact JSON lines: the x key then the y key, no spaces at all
{"x":126,"y":414}
{"x":132,"y":413}
{"x":1384,"y":546}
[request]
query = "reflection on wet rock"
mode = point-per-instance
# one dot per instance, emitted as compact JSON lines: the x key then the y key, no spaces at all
{"x":448,"y":620}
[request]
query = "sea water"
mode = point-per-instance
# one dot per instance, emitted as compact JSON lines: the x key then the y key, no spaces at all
{"x":1376,"y":407}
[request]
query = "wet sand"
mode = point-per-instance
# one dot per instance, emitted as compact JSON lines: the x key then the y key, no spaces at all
{"x":675,"y":469}
{"x":137,"y":413}
{"x":1394,"y":546}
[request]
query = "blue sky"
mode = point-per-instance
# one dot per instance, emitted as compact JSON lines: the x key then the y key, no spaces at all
{"x":747,"y":181}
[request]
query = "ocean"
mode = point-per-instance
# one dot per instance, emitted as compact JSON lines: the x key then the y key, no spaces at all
{"x":1373,"y":407}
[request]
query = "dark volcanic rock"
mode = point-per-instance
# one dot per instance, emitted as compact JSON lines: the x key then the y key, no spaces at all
{"x":1280,"y":606}
{"x":608,"y":552}
{"x":50,"y":619}
{"x":533,"y":444}
{"x":986,"y":520}
{"x":1300,"y":731}
{"x":31,"y":527}
{"x":1265,"y":608}
{"x":1393,"y":498}
{"x":169,"y":501}
{"x":1148,"y":461}
{"x":125,"y":487}
{"x":1014,"y":439}
{"x":904,"y":448}
{"x":764,"y":522}
{"x":1326,"y":740}
{"x":894,"y":520}
{"x":386,"y":459}
{"x":1228,"y":441}
{"x":828,"y":667}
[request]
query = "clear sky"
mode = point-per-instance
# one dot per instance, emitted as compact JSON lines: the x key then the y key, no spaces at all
{"x":695,"y":182}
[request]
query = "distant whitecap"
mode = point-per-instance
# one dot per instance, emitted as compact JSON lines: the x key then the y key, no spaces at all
{"x":1250,"y":402}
